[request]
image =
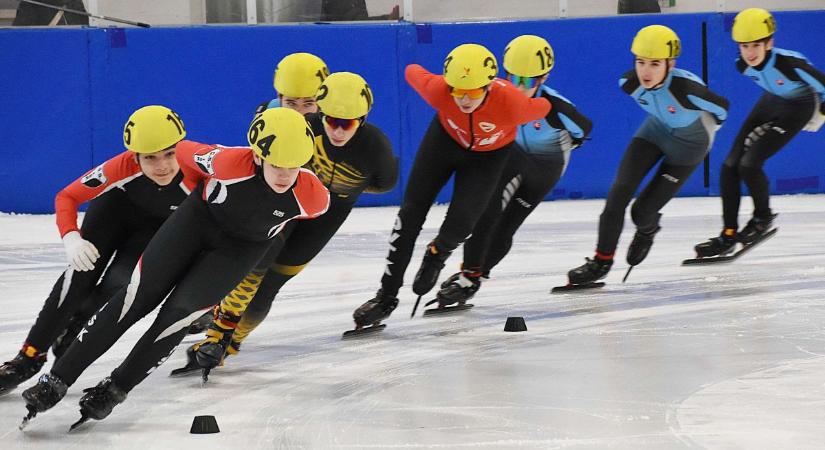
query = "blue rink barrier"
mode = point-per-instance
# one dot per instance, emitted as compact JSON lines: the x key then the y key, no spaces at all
{"x":67,"y":92}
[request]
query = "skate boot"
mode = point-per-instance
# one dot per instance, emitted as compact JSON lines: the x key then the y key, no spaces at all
{"x":99,"y":401}
{"x":717,"y":246}
{"x":20,"y":369}
{"x":640,"y":246}
{"x":64,"y":341}
{"x":375,"y":310}
{"x":431,"y":267}
{"x":463,"y":287}
{"x":485,"y":275}
{"x":48,"y":391}
{"x":755,"y":228}
{"x":211,"y":353}
{"x":591,"y":271}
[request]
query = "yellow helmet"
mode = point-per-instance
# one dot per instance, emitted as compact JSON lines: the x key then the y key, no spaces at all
{"x":299,"y":75}
{"x":470,"y":66}
{"x":753,"y":24}
{"x":656,"y":42}
{"x":282,"y":137}
{"x":152,"y":128}
{"x":528,"y":56}
{"x":345,"y":95}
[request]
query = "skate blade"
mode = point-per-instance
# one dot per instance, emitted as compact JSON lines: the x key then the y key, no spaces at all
{"x":733,"y":256}
{"x":576,"y":287}
{"x":447,"y":310}
{"x":186,"y":370}
{"x":360,"y":332}
{"x":32,"y":413}
{"x":205,"y":377}
{"x":83,"y":419}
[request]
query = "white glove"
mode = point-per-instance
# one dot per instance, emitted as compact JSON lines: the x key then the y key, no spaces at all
{"x":816,"y":122}
{"x":81,"y":253}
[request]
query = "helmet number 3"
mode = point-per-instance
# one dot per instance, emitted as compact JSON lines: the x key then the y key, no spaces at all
{"x":265,"y":142}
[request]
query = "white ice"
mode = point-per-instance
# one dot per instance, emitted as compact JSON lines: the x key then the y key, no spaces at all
{"x":725,"y":356}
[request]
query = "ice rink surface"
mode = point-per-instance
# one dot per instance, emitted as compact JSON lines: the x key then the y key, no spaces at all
{"x":725,"y":356}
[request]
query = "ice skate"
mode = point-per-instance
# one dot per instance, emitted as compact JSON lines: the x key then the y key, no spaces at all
{"x":18,"y":370}
{"x":587,"y":275}
{"x":755,"y":229}
{"x":455,"y":295}
{"x":41,"y":397}
{"x":368,"y":316}
{"x":720,"y":245}
{"x":99,"y":401}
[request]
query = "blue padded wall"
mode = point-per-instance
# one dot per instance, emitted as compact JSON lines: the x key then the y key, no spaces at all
{"x":69,"y":91}
{"x":45,"y":126}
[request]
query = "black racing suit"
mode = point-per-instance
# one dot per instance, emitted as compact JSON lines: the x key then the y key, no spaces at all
{"x":365,"y":163}
{"x":534,"y":167}
{"x":199,"y":254}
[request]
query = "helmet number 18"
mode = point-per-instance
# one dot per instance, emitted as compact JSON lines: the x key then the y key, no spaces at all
{"x":546,"y":58}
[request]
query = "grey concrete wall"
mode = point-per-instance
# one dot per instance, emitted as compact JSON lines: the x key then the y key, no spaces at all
{"x":176,"y":12}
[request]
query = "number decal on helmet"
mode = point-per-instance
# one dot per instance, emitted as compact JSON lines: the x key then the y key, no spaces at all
{"x":265,"y":143}
{"x":447,"y":63}
{"x":323,"y":91}
{"x":675,"y":48}
{"x":254,"y":130}
{"x":546,"y":57}
{"x":127,"y":132}
{"x":770,"y":22}
{"x":366,"y":92}
{"x":322,"y":74}
{"x":491,"y":63}
{"x":175,"y":119}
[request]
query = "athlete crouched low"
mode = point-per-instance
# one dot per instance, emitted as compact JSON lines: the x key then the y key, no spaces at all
{"x":215,"y":238}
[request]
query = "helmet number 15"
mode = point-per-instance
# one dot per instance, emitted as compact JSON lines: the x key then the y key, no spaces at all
{"x":176,"y":121}
{"x":674,"y":48}
{"x":127,"y":132}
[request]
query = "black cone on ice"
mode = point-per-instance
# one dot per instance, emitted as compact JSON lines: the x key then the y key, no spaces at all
{"x":515,"y":324}
{"x":204,"y":425}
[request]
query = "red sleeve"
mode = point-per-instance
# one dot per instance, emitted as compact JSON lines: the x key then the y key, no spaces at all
{"x":432,"y":88}
{"x":209,"y":160}
{"x":113,"y":173}
{"x":520,"y":108}
{"x":311,"y":194}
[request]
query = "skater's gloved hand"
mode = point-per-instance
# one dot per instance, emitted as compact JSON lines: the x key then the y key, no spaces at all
{"x":816,"y":122}
{"x":81,"y":253}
